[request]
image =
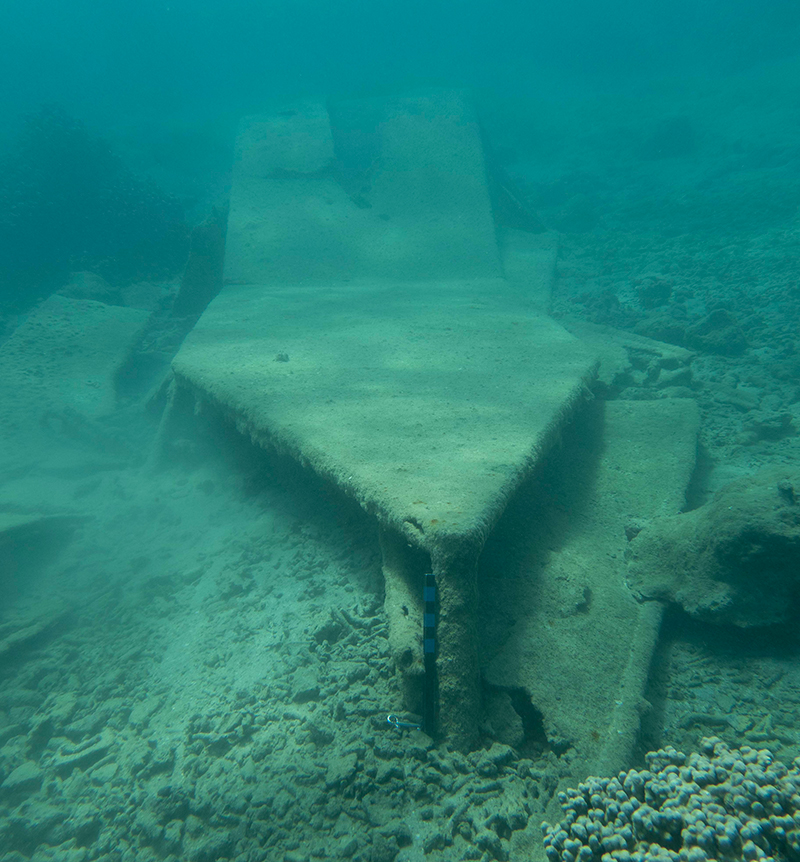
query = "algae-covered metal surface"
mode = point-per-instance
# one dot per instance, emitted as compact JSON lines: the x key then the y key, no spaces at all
{"x":424,"y":401}
{"x":367,"y":330}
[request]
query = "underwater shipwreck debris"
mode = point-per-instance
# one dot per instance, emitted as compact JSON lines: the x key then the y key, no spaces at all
{"x":399,"y":389}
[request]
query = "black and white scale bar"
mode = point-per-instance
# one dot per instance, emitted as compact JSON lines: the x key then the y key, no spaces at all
{"x":429,"y":649}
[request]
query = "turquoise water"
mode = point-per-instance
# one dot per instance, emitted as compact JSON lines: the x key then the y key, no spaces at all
{"x":202,"y":627}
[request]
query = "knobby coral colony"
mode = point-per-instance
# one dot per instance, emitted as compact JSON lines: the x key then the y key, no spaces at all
{"x":720,"y":804}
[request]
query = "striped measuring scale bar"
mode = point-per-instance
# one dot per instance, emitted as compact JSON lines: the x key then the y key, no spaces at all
{"x":429,"y":649}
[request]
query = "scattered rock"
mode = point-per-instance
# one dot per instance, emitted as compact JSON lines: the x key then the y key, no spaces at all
{"x":306,"y":686}
{"x":141,"y":712}
{"x":104,"y":773}
{"x":676,"y":377}
{"x":341,"y":770}
{"x":768,"y":425}
{"x":209,"y":848}
{"x":653,"y":290}
{"x":741,"y":398}
{"x":27,"y":777}
{"x":662,"y":325}
{"x":719,"y":332}
{"x":60,"y":708}
{"x":70,"y":757}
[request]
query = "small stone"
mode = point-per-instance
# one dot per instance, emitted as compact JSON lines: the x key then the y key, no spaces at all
{"x":27,"y":777}
{"x":83,"y":755}
{"x":341,"y":770}
{"x":103,"y":774}
{"x":172,"y":834}
{"x":348,"y":848}
{"x":140,"y":714}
